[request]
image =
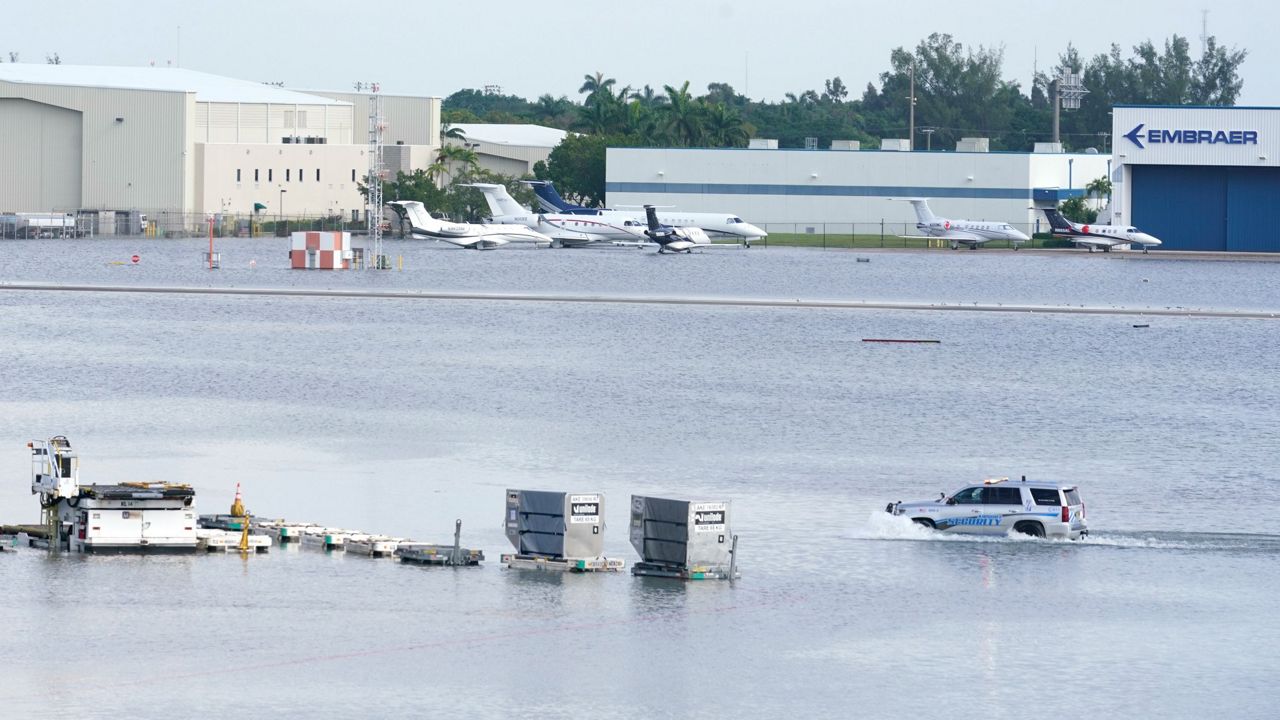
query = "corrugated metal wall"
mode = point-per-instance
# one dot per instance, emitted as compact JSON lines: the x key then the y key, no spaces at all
{"x":1207,"y":208}
{"x":1251,"y":197}
{"x":134,"y":144}
{"x":40,"y":148}
{"x":1185,"y":207}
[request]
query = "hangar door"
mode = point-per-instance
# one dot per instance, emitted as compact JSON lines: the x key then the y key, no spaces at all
{"x":40,"y":147}
{"x":1207,"y":208}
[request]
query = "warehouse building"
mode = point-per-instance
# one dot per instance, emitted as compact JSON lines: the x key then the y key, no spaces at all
{"x":179,"y":145}
{"x":834,"y":190}
{"x":508,"y":149}
{"x":1199,"y":178}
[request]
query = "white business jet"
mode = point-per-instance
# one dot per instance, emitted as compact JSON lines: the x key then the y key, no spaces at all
{"x":962,"y":232}
{"x":719,"y":225}
{"x":1106,"y":237}
{"x":565,"y":230}
{"x":465,"y":235}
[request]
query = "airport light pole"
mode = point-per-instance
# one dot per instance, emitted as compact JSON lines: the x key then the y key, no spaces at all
{"x":911,"y":105}
{"x":928,"y":137}
{"x":280,"y":211}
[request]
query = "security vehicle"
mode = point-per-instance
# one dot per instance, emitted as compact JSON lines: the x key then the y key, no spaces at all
{"x":999,"y":507}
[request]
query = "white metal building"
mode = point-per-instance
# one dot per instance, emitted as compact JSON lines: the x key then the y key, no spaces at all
{"x":1199,"y":178}
{"x":180,"y":143}
{"x":509,"y":149}
{"x":781,"y":188}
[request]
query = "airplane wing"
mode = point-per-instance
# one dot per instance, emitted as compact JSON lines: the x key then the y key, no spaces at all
{"x":963,"y":236}
{"x":1095,"y":241}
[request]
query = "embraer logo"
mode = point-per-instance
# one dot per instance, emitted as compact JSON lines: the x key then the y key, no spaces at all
{"x":1156,"y":136}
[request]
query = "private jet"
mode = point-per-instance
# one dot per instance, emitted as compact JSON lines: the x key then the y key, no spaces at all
{"x":962,"y":232}
{"x":1106,"y":237}
{"x":714,"y":224}
{"x":674,"y":239}
{"x":464,"y":235}
{"x":565,"y":230}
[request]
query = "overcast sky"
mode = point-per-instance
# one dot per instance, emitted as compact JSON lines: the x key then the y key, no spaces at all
{"x":764,"y":49}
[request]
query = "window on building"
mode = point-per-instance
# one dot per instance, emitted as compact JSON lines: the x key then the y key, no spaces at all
{"x":353,"y":174}
{"x":237,"y":174}
{"x":270,"y":172}
{"x":302,"y":118}
{"x":287,"y":174}
{"x":288,"y":118}
{"x":317,"y":174}
{"x":299,"y":174}
{"x":255,"y":174}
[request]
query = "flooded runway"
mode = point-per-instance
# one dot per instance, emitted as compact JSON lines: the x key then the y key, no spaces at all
{"x":400,"y":416}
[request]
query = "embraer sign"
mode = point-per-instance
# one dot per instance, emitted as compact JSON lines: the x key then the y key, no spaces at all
{"x":1156,"y":136}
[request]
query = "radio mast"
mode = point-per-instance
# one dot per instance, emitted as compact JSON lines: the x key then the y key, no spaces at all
{"x":373,"y":213}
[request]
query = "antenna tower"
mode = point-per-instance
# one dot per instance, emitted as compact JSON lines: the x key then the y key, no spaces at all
{"x":377,"y":173}
{"x":1204,"y":31}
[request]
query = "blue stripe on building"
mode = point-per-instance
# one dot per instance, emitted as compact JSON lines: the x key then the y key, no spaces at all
{"x":819,"y":190}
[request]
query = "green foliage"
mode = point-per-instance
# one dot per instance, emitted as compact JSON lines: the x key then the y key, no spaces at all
{"x":576,"y":166}
{"x":1076,"y":210}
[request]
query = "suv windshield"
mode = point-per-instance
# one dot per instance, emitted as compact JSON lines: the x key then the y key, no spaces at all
{"x":1073,"y":496}
{"x":1046,"y":496}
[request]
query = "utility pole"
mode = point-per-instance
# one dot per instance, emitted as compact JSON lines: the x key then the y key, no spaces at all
{"x":911,"y":100}
{"x":1057,"y":111}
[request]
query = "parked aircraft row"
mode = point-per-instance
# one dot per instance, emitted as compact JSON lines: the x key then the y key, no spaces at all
{"x":973,"y":233}
{"x":511,"y":222}
{"x":564,"y":225}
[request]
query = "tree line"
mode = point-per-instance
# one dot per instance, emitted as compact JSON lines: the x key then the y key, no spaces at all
{"x":959,"y":92}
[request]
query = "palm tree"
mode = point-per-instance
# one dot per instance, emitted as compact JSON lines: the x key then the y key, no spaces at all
{"x":724,"y":126}
{"x":595,"y":83}
{"x":683,"y":116}
{"x":648,"y":97}
{"x":454,"y":160}
{"x":1097,"y":188}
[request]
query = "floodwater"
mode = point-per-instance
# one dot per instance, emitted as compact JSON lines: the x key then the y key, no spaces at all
{"x":399,"y":416}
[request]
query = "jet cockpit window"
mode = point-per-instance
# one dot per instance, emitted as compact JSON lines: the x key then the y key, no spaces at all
{"x":1132,"y":230}
{"x":733,"y":220}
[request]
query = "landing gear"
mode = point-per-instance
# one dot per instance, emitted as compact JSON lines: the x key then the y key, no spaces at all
{"x":955,"y":246}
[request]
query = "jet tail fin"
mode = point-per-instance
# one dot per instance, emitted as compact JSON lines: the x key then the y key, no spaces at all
{"x":548,"y":198}
{"x":923,"y":214}
{"x":501,"y":204}
{"x":416,"y":213}
{"x":1057,"y":221}
{"x":651,"y":215}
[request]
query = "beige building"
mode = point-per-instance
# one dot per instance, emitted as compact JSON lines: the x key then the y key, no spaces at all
{"x":508,"y":149}
{"x":180,"y":144}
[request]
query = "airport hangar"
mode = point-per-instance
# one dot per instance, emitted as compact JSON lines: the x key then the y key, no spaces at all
{"x":1199,"y":178}
{"x":811,"y":190}
{"x":178,"y":144}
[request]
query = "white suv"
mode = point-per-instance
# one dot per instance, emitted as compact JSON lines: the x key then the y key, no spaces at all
{"x":998,"y":507}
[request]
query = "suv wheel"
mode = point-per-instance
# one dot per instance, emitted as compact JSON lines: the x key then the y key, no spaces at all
{"x":1027,"y":527}
{"x":925,"y":522}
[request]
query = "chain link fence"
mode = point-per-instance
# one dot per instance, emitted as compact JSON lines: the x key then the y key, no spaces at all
{"x":58,"y":223}
{"x":882,"y":234}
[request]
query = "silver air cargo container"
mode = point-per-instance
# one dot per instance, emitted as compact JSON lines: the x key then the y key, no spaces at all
{"x":557,"y":531}
{"x":681,"y":538}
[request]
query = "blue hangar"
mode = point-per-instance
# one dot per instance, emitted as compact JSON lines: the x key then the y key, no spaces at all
{"x":1198,"y":178}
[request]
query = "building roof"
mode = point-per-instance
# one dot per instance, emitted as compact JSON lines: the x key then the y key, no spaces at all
{"x":504,"y":134}
{"x":207,"y":88}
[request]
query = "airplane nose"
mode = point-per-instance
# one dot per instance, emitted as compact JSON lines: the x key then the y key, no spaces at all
{"x":1019,"y":235}
{"x":1146,"y":239}
{"x":755,"y":233}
